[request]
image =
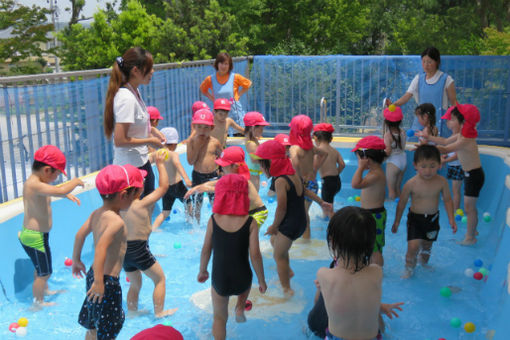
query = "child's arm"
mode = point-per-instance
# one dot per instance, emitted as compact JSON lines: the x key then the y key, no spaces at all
{"x":231,"y":123}
{"x":256,"y":257}
{"x":203,"y":274}
{"x":340,"y":162}
{"x":281,"y":207}
{"x":436,"y":139}
{"x":404,"y":197}
{"x":204,"y":187}
{"x":161,"y":190}
{"x":457,"y":144}
{"x":62,"y":190}
{"x":156,"y":133}
{"x":78,"y":266}
{"x":358,"y":182}
{"x":180,"y":170}
{"x":327,"y":208}
{"x":448,"y":204}
{"x":319,"y":157}
{"x":388,"y":309}
{"x":448,"y":159}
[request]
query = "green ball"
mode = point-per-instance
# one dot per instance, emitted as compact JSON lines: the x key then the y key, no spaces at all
{"x":168,"y":323}
{"x":350,"y":199}
{"x":487,"y":218}
{"x":177,"y":245}
{"x":464,"y":219}
{"x":484,"y":271}
{"x":446,"y":292}
{"x":455,"y":322}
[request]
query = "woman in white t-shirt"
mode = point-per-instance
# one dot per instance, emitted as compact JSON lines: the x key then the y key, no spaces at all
{"x":126,"y":116}
{"x":431,"y":86}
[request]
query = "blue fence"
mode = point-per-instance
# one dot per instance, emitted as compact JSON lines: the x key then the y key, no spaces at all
{"x":69,"y":113}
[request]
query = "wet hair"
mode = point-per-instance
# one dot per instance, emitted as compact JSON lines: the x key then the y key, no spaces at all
{"x":428,"y":110}
{"x":265,"y":164}
{"x":323,"y":136}
{"x":222,"y":57}
{"x":426,"y":152}
{"x":432,"y":53}
{"x":455,"y":112}
{"x":351,"y":236}
{"x":121,"y":71}
{"x":36,"y":166}
{"x":248,"y":133}
{"x":375,"y":155}
{"x":110,"y":197}
{"x":395,"y":125}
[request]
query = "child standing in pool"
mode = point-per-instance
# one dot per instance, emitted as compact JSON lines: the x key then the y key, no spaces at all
{"x":254,"y":123}
{"x":198,"y":105}
{"x":231,"y":235}
{"x":424,"y":188}
{"x":426,"y":114}
{"x":395,"y":140}
{"x":370,"y":153}
{"x":101,"y":313}
{"x":222,"y":122}
{"x":464,"y":117}
{"x":49,"y":163}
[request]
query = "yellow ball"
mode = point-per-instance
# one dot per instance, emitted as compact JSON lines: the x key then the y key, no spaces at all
{"x":392,"y":107}
{"x":459,"y":212}
{"x":357,"y":198}
{"x":469,"y":327}
{"x":23,"y":322}
{"x":164,"y":152}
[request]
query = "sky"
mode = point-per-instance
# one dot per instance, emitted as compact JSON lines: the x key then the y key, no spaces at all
{"x":90,"y":8}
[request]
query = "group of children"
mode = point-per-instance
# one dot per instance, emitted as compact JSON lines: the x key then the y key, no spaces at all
{"x":356,"y":236}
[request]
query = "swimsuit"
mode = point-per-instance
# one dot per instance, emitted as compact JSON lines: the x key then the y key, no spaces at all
{"x":293,"y":224}
{"x":331,"y":185}
{"x":138,"y":256}
{"x":254,"y":167}
{"x":330,"y":336}
{"x":107,"y":316}
{"x":318,"y":316}
{"x":455,"y":173}
{"x":231,"y":271}
{"x":199,"y":178}
{"x":473,"y":182}
{"x":37,"y":247}
{"x":177,"y":190}
{"x":422,"y":226}
{"x":259,"y":215}
{"x":379,"y":215}
{"x":148,"y":183}
{"x":313,"y":187}
{"x":398,"y":156}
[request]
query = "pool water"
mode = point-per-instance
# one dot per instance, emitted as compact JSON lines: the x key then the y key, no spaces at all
{"x":426,"y":313}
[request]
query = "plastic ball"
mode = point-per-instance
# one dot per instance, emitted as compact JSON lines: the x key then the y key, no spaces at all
{"x":458,"y":218}
{"x":271,"y":200}
{"x":392,"y":107}
{"x":21,"y":332}
{"x":410,"y":133}
{"x":164,"y":152}
{"x":478,"y":263}
{"x":459,"y":212}
{"x":469,"y":327}
{"x":175,"y":211}
{"x":357,"y":198}
{"x":23,"y":322}
{"x":446,"y":292}
{"x":177,"y":245}
{"x":68,"y":262}
{"x":167,"y":219}
{"x":263,"y":183}
{"x":486,"y":214}
{"x":209,"y":206}
{"x":455,"y":322}
{"x":350,"y":199}
{"x":248,"y":305}
{"x":127,"y":279}
{"x":487,"y":217}
{"x":478,"y":276}
{"x":167,"y":323}
{"x":13,"y":326}
{"x":469,"y":272}
{"x":397,"y":200}
{"x":464,"y":219}
{"x":482,"y":270}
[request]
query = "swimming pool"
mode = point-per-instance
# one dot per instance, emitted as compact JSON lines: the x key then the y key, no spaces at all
{"x":426,"y":313}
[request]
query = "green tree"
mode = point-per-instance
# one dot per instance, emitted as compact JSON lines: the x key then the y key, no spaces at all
{"x":496,"y":43}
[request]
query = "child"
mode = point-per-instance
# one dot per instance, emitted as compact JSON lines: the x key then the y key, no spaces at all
{"x":283,"y":139}
{"x":370,"y":153}
{"x":232,"y":235}
{"x":232,"y":162}
{"x":306,"y":158}
{"x":395,"y":140}
{"x":49,"y":163}
{"x":155,"y":117}
{"x":455,"y":174}
{"x":176,"y":175}
{"x":138,"y":257}
{"x":202,"y":151}
{"x":198,"y":105}
{"x":352,"y":289}
{"x":290,"y":216}
{"x":332,"y":166}
{"x":222,"y":122}
{"x":423,"y":217}
{"x":101,"y":313}
{"x":464,"y":117}
{"x":426,"y":114}
{"x":254,"y":127}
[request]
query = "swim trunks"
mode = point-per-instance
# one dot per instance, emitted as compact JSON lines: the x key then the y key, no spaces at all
{"x":422,"y":226}
{"x":107,"y":316}
{"x":259,"y":215}
{"x":473,"y":182}
{"x":331,"y":185}
{"x":379,"y":215}
{"x":138,"y":256}
{"x":36,"y":245}
{"x":199,"y":178}
{"x":455,"y":173}
{"x":313,"y":187}
{"x":330,"y":336}
{"x":293,"y":224}
{"x":177,"y":190}
{"x":231,"y":271}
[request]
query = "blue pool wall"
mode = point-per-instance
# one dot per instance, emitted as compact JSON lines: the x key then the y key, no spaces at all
{"x":17,"y":271}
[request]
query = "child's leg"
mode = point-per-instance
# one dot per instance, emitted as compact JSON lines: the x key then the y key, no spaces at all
{"x":155,"y":273}
{"x":159,"y":220}
{"x":135,"y":279}
{"x":241,"y":304}
{"x":398,"y":185}
{"x":307,"y":234}
{"x":413,"y":247}
{"x":282,"y":245}
{"x":220,"y":311}
{"x":392,"y":173}
{"x":255,"y":179}
{"x":456,"y":185}
{"x":426,"y":247}
{"x":39,"y":288}
{"x":472,"y":220}
{"x":91,"y":334}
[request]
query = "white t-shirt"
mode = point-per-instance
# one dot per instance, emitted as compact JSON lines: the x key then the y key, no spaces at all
{"x":127,"y":109}
{"x":413,"y":88}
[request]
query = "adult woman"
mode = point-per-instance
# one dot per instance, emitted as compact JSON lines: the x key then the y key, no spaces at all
{"x":125,"y":113}
{"x":431,"y":86}
{"x":225,"y":84}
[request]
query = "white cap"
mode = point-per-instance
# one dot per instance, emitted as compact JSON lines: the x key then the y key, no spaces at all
{"x":171,"y":135}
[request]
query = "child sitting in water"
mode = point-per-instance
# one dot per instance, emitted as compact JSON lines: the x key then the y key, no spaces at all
{"x":222,"y":122}
{"x":49,"y":163}
{"x":231,"y":235}
{"x":254,"y":123}
{"x":352,"y":289}
{"x":423,"y":217}
{"x":395,"y":140}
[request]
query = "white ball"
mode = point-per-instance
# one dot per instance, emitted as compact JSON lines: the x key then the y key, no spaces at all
{"x":486,"y":214}
{"x":21,"y":332}
{"x":469,"y":272}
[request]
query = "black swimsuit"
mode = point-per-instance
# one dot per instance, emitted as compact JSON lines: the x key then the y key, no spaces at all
{"x":231,"y":271}
{"x":293,"y":224}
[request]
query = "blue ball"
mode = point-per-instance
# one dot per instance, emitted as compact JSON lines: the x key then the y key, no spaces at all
{"x":458,"y":218}
{"x":410,"y":133}
{"x":175,"y":211}
{"x":478,"y":263}
{"x":271,"y":200}
{"x":167,"y":219}
{"x":397,"y":199}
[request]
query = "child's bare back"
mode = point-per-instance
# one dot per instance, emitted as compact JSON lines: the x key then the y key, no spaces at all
{"x":334,"y":162}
